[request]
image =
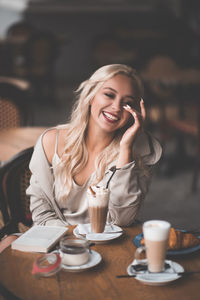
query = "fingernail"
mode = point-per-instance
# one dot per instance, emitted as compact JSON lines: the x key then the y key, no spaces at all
{"x":126,"y":106}
{"x":135,"y":115}
{"x":142,"y":100}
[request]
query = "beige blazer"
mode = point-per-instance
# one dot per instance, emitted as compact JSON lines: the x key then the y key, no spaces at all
{"x":128,"y":188}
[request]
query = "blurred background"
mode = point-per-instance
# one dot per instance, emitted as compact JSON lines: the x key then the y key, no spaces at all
{"x":47,"y":47}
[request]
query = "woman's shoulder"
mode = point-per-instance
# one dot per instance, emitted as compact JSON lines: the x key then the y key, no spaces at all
{"x":45,"y":146}
{"x":148,"y":147}
{"x":48,"y":137}
{"x":53,"y":141}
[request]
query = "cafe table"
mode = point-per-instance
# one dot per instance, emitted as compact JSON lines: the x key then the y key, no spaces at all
{"x":14,"y":140}
{"x":99,"y":282}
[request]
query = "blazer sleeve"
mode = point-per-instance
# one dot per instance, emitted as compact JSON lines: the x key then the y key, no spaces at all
{"x":128,"y":188}
{"x":42,"y":209}
{"x":129,"y":184}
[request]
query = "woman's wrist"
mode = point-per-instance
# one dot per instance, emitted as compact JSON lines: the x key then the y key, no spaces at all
{"x":125,"y":156}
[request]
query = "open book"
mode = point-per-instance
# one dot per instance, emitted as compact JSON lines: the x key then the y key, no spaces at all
{"x":39,"y":238}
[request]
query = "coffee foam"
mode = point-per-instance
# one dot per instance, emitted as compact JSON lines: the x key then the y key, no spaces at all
{"x":156,"y":230}
{"x":101,"y":198}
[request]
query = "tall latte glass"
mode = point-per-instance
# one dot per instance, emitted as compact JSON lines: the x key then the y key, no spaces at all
{"x":156,"y":235}
{"x":98,"y":208}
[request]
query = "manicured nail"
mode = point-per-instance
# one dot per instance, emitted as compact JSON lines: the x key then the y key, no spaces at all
{"x":142,"y":100}
{"x":126,"y":106}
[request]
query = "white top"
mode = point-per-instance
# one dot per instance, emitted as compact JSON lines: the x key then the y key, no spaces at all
{"x":76,"y":200}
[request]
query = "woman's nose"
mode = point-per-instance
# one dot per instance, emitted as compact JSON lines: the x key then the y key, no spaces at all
{"x":116,"y":105}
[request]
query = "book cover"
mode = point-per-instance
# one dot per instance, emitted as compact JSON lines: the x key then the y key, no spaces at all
{"x":39,"y":238}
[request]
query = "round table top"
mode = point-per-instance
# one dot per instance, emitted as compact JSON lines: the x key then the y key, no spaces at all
{"x":14,"y":140}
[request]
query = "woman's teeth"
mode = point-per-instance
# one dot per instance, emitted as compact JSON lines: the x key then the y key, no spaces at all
{"x":110,"y":117}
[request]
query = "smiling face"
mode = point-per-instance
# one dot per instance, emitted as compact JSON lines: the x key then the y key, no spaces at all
{"x":107,"y":112}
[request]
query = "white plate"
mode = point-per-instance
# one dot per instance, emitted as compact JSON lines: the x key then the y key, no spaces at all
{"x":157,"y":278}
{"x":114,"y":232}
{"x":94,"y":259}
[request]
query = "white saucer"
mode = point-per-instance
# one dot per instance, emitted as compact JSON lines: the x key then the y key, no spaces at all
{"x":157,"y":278}
{"x":114,"y":232}
{"x":94,"y":259}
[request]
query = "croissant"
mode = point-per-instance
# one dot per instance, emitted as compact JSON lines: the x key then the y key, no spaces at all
{"x":180,"y":240}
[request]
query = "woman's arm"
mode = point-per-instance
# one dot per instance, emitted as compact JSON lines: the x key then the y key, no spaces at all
{"x":41,"y":206}
{"x":130,"y":183}
{"x":128,"y":189}
{"x":130,"y":135}
{"x":44,"y":209}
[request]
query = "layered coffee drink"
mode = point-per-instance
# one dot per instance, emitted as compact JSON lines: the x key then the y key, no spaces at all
{"x":98,"y":208}
{"x":156,"y":234}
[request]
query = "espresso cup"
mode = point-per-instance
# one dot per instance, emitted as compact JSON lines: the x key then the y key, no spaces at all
{"x":156,"y":235}
{"x":98,"y":209}
{"x":74,"y":252}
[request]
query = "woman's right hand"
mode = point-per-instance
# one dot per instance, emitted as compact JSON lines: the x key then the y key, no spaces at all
{"x":139,"y":118}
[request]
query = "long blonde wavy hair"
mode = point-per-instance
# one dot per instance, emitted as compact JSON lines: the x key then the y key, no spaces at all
{"x":75,"y":154}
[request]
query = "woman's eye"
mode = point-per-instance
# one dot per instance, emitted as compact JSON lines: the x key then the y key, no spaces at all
{"x":109,"y":95}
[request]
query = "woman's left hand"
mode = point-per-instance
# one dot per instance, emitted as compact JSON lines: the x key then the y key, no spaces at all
{"x":131,"y":132}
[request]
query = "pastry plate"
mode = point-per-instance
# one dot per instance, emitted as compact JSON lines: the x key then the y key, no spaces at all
{"x":94,"y":259}
{"x":111,"y":232}
{"x":157,"y":279}
{"x":137,"y":242}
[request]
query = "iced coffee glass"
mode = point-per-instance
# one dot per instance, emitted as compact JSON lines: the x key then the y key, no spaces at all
{"x":98,"y":208}
{"x":156,"y":235}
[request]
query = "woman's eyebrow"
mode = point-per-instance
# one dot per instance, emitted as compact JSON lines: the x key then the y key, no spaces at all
{"x":113,"y":90}
{"x":109,"y":88}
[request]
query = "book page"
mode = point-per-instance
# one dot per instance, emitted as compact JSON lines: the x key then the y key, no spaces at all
{"x":39,"y":238}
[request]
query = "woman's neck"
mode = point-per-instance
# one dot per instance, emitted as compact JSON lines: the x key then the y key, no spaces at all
{"x":97,"y":140}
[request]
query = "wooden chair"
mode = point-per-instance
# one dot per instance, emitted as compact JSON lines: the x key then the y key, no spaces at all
{"x":187,"y":126}
{"x":13,"y":106}
{"x":14,"y":203}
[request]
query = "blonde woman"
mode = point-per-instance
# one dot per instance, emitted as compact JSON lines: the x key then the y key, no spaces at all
{"x":103,"y":142}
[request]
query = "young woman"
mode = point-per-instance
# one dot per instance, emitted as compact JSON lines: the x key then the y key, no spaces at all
{"x":103,"y":144}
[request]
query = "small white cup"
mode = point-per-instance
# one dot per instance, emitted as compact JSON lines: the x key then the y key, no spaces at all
{"x":74,"y":252}
{"x":156,"y":235}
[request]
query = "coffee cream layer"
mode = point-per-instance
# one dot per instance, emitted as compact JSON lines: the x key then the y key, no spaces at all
{"x":156,"y":230}
{"x":101,"y":198}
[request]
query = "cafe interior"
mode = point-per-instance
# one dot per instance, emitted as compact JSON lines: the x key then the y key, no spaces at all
{"x":47,"y":48}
